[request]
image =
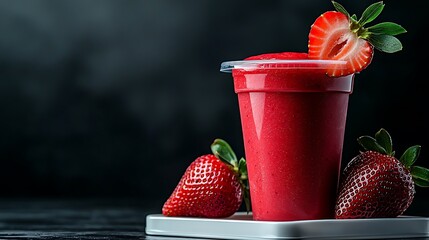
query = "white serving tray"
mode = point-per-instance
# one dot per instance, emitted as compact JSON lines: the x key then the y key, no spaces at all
{"x":241,"y":226}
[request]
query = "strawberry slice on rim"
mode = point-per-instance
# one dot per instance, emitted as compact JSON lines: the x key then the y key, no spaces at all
{"x":330,"y":38}
{"x":337,"y":35}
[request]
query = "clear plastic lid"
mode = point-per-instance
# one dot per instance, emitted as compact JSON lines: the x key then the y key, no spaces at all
{"x":281,"y":64}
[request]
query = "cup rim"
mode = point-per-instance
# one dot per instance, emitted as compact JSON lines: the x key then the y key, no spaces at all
{"x":248,"y":65}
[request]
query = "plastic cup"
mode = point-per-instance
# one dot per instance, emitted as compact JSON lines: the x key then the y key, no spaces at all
{"x":293,"y":119}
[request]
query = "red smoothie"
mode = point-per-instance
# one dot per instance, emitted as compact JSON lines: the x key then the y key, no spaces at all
{"x":293,"y":119}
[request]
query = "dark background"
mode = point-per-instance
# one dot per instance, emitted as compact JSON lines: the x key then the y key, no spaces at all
{"x":103,"y":99}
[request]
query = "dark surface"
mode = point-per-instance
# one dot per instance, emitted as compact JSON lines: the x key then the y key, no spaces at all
{"x":72,"y":219}
{"x":76,"y":219}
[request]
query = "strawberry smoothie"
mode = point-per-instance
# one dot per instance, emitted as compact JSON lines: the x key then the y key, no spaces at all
{"x":293,"y":119}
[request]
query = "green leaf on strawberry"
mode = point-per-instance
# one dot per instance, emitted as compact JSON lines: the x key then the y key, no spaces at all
{"x":224,"y":152}
{"x":420,"y":176}
{"x":410,"y":156}
{"x":370,"y":144}
{"x":371,"y":13}
{"x":387,"y":28}
{"x":242,"y":168}
{"x":383,"y":138}
{"x":341,"y":9}
{"x":385,"y":43}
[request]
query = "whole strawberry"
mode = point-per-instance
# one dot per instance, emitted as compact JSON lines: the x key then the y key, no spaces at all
{"x":213,"y":186}
{"x":375,"y":184}
{"x":337,"y":35}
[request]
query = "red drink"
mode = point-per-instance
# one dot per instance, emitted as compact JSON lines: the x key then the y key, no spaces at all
{"x":293,"y":118}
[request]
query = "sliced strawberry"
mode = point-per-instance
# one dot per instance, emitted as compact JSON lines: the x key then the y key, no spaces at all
{"x":330,"y":38}
{"x":337,"y":35}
